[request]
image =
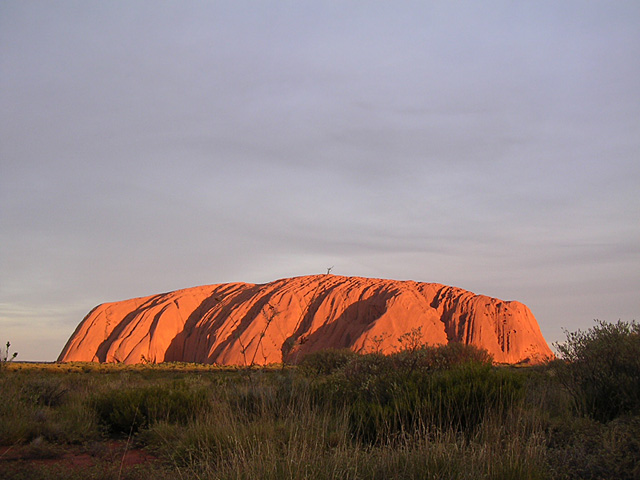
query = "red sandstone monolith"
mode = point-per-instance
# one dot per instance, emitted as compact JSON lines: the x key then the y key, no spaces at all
{"x":247,"y":324}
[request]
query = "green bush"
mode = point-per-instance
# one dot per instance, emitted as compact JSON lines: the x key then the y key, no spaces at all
{"x":360,"y":369}
{"x":437,"y":357}
{"x":458,"y":398}
{"x":462,"y":396}
{"x":601,"y":369}
{"x":444,"y":386}
{"x":47,"y":391}
{"x":326,"y":362}
{"x":128,"y":410}
{"x":583,"y":448}
{"x":365,"y":372}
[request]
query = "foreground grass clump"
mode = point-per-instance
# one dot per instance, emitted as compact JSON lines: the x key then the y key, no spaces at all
{"x":425,"y":412}
{"x":129,"y":409}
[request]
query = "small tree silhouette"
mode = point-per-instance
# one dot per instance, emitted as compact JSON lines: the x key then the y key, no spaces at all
{"x":378,"y":340}
{"x":4,"y":356}
{"x":411,"y":340}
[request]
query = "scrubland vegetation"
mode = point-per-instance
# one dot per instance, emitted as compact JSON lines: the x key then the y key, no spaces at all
{"x":422,"y":413}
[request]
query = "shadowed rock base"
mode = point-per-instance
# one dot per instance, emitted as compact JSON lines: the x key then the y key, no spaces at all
{"x":247,"y":324}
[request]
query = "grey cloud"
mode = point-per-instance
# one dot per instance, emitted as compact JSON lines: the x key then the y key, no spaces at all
{"x":157,"y":145}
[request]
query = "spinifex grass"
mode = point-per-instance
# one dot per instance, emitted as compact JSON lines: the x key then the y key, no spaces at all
{"x":429,"y":413}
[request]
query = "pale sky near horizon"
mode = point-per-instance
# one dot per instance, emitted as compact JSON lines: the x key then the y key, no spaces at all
{"x":148,"y":146}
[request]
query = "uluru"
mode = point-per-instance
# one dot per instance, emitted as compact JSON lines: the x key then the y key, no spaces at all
{"x":281,"y":321}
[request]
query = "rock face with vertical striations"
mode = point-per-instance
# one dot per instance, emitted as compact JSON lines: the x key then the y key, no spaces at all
{"x":247,"y":324}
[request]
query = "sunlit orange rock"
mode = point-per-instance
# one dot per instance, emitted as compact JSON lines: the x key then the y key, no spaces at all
{"x":247,"y":324}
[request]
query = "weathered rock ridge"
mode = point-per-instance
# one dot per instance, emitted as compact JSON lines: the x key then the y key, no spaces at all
{"x":245,"y":324}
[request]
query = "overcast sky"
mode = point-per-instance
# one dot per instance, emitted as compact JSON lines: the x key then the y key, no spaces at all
{"x":148,"y":146}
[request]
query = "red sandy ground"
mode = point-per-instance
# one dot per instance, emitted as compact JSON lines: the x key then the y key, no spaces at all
{"x":75,"y":457}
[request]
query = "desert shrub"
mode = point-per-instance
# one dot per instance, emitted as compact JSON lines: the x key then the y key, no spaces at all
{"x":583,"y":448}
{"x":366,"y":370}
{"x":447,"y":386}
{"x":209,"y":440}
{"x":361,"y":368}
{"x":326,"y":362}
{"x":367,"y":377}
{"x":14,"y":426}
{"x":49,"y":391}
{"x":465,"y":394}
{"x":458,"y":398}
{"x":456,"y":353}
{"x":127,"y":410}
{"x":272,"y":394}
{"x":601,"y":369}
{"x":47,"y":405}
{"x":435,"y":357}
